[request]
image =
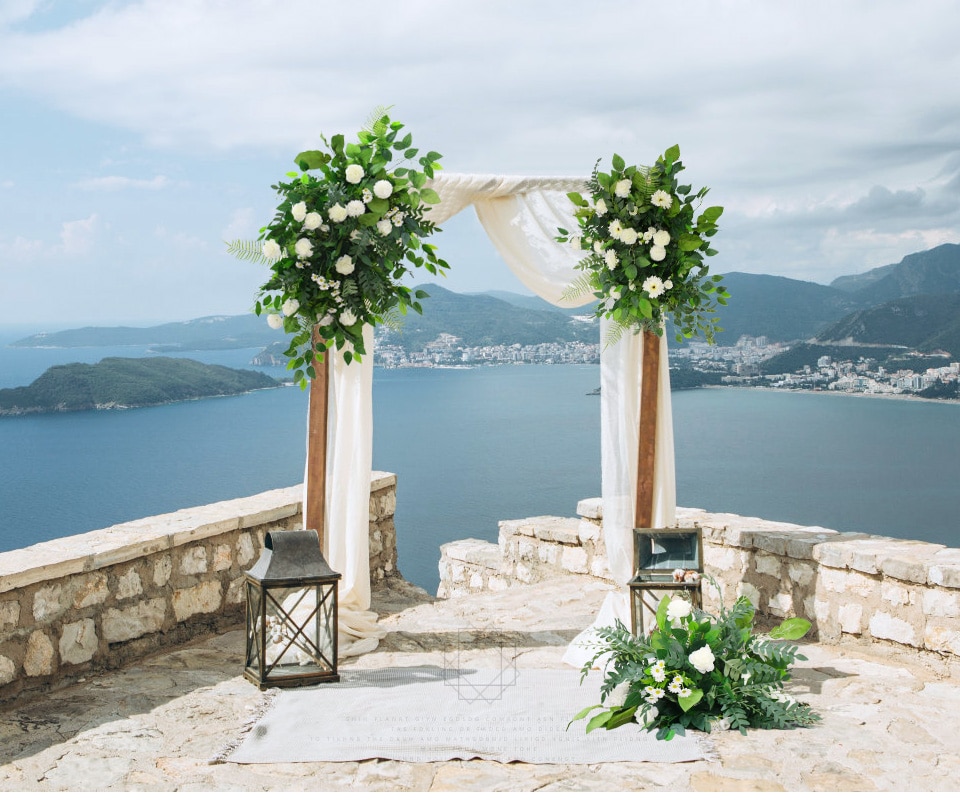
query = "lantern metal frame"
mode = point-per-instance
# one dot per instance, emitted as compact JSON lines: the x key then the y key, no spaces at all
{"x":291,"y":561}
{"x":657,"y":553}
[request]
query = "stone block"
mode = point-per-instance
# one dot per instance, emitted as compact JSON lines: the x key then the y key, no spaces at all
{"x":942,"y":636}
{"x":781,"y":605}
{"x":945,"y":568}
{"x":476,"y":580}
{"x":47,"y":603}
{"x":800,"y":573}
{"x":129,"y":585}
{"x":526,"y":548}
{"x":246,"y":553}
{"x":897,"y":594}
{"x":90,"y":589}
{"x":235,"y":591}
{"x":748,"y":590}
{"x":525,"y":574}
{"x":38,"y":661}
{"x":719,"y":558}
{"x":194,"y":561}
{"x":834,"y":554}
{"x":8,"y":670}
{"x":203,"y":598}
{"x":886,"y":627}
{"x":850,"y":618}
{"x":833,"y":580}
{"x":801,"y":546}
{"x":772,"y":542}
{"x":497,"y":582}
{"x":941,"y":603}
{"x":590,"y":508}
{"x":375,"y":544}
{"x":127,"y":623}
{"x":222,"y":557}
{"x":768,"y":565}
{"x":9,"y":614}
{"x":911,"y":564}
{"x":162,"y":569}
{"x":600,"y":567}
{"x":78,"y":644}
{"x":548,"y":553}
{"x":589,"y":532}
{"x":574,"y":560}
{"x":556,"y":529}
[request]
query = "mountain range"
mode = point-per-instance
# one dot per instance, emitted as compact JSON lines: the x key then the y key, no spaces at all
{"x":914,"y":303}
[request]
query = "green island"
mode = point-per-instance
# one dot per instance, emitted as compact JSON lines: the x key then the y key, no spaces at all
{"x":124,"y":383}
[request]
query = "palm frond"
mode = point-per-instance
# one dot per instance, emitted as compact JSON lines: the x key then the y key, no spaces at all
{"x":373,"y":122}
{"x":583,"y":285}
{"x":614,"y":334}
{"x":248,"y":250}
{"x":392,"y":319}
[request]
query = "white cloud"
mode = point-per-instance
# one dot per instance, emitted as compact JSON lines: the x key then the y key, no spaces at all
{"x":77,"y":236}
{"x":241,"y":225}
{"x":112,"y":183}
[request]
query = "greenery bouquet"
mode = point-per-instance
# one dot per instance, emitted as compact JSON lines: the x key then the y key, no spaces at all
{"x":644,"y":247}
{"x":696,"y":670}
{"x":348,"y":230}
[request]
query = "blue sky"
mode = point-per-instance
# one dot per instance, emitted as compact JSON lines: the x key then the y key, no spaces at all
{"x":137,"y":136}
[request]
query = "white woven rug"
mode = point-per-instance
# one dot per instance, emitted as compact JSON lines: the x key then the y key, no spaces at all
{"x":427,"y":714}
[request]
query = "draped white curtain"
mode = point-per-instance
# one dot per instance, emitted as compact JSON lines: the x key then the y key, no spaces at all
{"x":521,"y":216}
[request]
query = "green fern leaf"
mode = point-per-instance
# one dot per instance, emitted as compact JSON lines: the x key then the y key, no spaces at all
{"x":248,"y":250}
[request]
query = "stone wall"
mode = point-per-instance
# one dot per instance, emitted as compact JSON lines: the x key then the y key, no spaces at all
{"x":849,"y":585}
{"x":79,"y":604}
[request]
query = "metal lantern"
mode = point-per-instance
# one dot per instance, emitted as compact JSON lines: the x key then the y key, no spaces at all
{"x":665,"y":560}
{"x":291,"y":613}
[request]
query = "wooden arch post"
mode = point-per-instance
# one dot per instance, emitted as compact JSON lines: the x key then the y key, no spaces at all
{"x":647,"y":454}
{"x":316,"y":501}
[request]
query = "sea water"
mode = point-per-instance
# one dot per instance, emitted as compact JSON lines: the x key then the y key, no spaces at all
{"x":473,"y":447}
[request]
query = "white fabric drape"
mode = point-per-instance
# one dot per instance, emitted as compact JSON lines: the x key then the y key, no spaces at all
{"x":521,"y":216}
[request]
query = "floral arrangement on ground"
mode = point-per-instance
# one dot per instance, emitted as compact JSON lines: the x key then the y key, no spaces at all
{"x":695,"y":670}
{"x":645,"y":247}
{"x":343,"y":241}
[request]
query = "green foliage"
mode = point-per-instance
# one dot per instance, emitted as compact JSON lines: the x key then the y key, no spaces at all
{"x":694,"y":669}
{"x":645,"y":247}
{"x":348,"y":231}
{"x":118,"y":382}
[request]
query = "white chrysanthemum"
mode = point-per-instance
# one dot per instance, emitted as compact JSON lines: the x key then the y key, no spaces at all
{"x":678,"y":608}
{"x":299,"y":211}
{"x":662,"y":199}
{"x":355,"y":208}
{"x":658,"y":253}
{"x":383,"y":189}
{"x":384,"y":227}
{"x":601,"y":207}
{"x":304,"y":248}
{"x":354,"y":173}
{"x":271,"y":250}
{"x":661,"y":238}
{"x":366,"y":196}
{"x":610,"y":257}
{"x":337,"y":213}
{"x":274,"y":321}
{"x":615,"y":229}
{"x":653,"y":287}
{"x":683,"y":693}
{"x":659,"y":671}
{"x":397,"y":217}
{"x":312,"y":221}
{"x":702,"y":659}
{"x":290,"y":306}
{"x":622,"y":188}
{"x":347,"y":318}
{"x":676,"y":684}
{"x":344,"y":265}
{"x":654,"y":694}
{"x":628,"y":236}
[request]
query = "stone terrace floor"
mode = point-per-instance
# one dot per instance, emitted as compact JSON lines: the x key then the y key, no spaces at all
{"x":889,"y":718}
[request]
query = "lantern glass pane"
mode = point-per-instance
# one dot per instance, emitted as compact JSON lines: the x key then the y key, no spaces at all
{"x":299,"y":631}
{"x":254,"y":658}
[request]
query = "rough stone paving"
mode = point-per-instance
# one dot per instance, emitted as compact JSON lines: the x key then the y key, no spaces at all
{"x":155,"y":724}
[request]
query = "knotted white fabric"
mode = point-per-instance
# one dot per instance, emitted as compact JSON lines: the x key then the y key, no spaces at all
{"x":521,"y":216}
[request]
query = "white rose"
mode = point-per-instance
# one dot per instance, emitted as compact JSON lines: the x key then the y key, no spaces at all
{"x":661,"y":238}
{"x":575,"y":243}
{"x":615,"y":294}
{"x":312,"y":221}
{"x":274,"y":321}
{"x":355,"y":208}
{"x":326,"y":320}
{"x":678,"y":608}
{"x":347,"y":318}
{"x":597,"y":246}
{"x":290,"y":306}
{"x":661,"y":199}
{"x":668,"y":285}
{"x":622,"y":189}
{"x":702,"y":659}
{"x":658,"y":253}
{"x":271,"y":250}
{"x":337,"y":213}
{"x":354,"y":173}
{"x":304,"y":248}
{"x":601,"y":207}
{"x":383,"y":189}
{"x":384,"y":227}
{"x":299,"y":211}
{"x":344,"y":265}
{"x":628,"y":236}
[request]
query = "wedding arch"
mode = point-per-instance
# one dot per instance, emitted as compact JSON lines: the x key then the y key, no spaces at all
{"x":521,"y":216}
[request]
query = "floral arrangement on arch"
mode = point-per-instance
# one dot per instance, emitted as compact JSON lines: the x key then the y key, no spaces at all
{"x":343,"y":241}
{"x":645,"y":246}
{"x":698,"y":671}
